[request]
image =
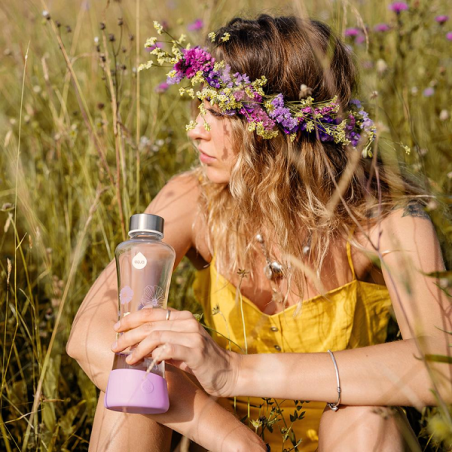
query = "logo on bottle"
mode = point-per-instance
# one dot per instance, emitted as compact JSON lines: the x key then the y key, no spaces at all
{"x":139,"y":261}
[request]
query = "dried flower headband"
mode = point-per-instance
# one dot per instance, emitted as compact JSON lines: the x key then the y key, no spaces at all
{"x":235,"y":94}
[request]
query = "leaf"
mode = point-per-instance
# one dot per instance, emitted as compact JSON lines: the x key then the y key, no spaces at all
{"x":439,"y":358}
{"x":293,"y":418}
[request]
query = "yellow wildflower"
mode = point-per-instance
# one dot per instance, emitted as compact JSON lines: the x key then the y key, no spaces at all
{"x":158,"y":27}
{"x":212,"y":36}
{"x":225,"y":37}
{"x":192,"y":125}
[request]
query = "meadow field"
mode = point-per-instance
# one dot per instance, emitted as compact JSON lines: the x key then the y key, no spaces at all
{"x":87,"y":140}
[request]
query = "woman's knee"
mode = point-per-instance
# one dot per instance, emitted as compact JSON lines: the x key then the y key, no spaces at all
{"x":364,"y":428}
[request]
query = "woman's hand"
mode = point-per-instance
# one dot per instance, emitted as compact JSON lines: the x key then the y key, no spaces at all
{"x":182,"y":342}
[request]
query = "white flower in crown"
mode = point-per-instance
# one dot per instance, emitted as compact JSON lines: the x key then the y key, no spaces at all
{"x":153,"y":296}
{"x":126,"y":295}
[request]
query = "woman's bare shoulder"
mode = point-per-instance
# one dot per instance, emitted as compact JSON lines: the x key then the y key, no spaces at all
{"x":178,"y":202}
{"x":182,"y":191}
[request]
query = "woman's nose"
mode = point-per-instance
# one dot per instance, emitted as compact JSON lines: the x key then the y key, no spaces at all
{"x":199,"y":132}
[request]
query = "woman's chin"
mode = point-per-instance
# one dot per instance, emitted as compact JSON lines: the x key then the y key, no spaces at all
{"x":215,"y":175}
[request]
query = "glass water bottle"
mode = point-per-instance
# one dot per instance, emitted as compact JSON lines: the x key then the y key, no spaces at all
{"x":144,"y":265}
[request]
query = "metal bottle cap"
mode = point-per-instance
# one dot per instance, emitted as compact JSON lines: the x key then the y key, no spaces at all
{"x":145,"y":222}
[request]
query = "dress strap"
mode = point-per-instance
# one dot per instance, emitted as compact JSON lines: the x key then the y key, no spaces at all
{"x":349,"y":253}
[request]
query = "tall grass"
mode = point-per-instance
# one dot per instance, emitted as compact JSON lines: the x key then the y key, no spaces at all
{"x":86,"y":142}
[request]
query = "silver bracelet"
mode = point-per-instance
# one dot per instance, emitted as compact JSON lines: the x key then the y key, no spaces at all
{"x":335,"y":406}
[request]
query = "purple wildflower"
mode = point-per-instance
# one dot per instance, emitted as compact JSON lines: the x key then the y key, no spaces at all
{"x":282,"y":115}
{"x":428,"y":92}
{"x":352,"y":32}
{"x":449,"y":36}
{"x":256,"y":113}
{"x":161,"y":88}
{"x":360,"y":39}
{"x":442,"y":19}
{"x":381,"y":27}
{"x":194,"y":60}
{"x":398,"y":7}
{"x":196,"y":25}
{"x":226,"y":76}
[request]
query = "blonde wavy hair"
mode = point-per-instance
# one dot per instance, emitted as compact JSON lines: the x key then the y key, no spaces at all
{"x":300,"y":195}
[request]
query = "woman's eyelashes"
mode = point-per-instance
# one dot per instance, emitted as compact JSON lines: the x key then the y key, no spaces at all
{"x":215,"y":113}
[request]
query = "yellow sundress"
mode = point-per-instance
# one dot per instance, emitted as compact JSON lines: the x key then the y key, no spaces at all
{"x":350,"y":316}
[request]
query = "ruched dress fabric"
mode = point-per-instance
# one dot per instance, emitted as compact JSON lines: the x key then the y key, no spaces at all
{"x":350,"y":316}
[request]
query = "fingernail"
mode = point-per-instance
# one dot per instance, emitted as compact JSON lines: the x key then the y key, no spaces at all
{"x":129,"y":359}
{"x":116,"y":325}
{"x":114,"y":345}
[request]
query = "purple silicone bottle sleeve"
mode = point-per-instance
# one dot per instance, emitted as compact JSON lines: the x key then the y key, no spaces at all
{"x":134,"y":391}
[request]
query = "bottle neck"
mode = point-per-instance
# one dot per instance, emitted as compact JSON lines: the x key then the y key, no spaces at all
{"x":145,"y":235}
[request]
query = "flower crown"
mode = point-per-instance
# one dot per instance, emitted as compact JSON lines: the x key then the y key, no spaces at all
{"x":235,"y":94}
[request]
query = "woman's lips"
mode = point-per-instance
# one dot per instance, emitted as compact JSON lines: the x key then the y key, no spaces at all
{"x":205,"y":158}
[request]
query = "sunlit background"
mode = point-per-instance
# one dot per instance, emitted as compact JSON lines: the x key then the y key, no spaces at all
{"x":87,"y":141}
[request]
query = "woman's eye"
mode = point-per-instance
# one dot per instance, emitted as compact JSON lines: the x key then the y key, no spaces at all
{"x":215,"y":113}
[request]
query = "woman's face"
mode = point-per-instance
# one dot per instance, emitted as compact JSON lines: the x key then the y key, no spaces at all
{"x":214,"y":146}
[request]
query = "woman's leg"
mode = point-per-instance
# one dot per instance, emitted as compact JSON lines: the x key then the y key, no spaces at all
{"x":119,"y":432}
{"x":365,"y":428}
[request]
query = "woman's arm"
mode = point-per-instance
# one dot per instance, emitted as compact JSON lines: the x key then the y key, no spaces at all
{"x":192,"y":412}
{"x":92,"y":330}
{"x":386,"y":374}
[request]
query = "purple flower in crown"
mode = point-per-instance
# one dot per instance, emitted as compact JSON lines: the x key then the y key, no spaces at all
{"x":225,"y":77}
{"x":381,"y":28}
{"x":255,"y":113}
{"x":282,"y":115}
{"x":198,"y":24}
{"x":193,"y":60}
{"x":442,"y":19}
{"x":398,"y":7}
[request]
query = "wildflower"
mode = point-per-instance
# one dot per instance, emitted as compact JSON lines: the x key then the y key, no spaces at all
{"x":46,"y":15}
{"x":444,"y":115}
{"x":381,"y":27}
{"x":102,"y":26}
{"x":398,"y":7}
{"x":352,"y":32}
{"x":442,"y":19}
{"x":212,"y":36}
{"x":158,"y":27}
{"x":449,"y":36}
{"x":192,"y":125}
{"x":225,"y":37}
{"x":198,"y":24}
{"x":151,"y":42}
{"x":414,"y":90}
{"x":161,"y":88}
{"x":428,"y":92}
{"x":360,"y":39}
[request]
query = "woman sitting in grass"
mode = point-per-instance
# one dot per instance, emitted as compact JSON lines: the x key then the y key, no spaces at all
{"x":307,"y":243}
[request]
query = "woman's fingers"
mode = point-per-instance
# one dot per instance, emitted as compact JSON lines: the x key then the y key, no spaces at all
{"x":172,"y":345}
{"x":146,"y":315}
{"x":138,"y":334}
